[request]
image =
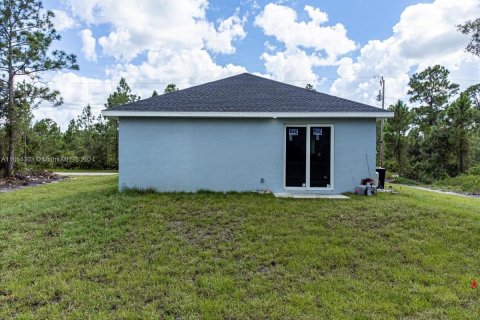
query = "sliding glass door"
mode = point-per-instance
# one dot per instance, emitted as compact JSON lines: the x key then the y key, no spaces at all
{"x":295,"y":157}
{"x":320,"y":147}
{"x":308,"y":156}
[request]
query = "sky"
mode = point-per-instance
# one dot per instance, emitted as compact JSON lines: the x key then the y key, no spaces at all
{"x":342,"y":47}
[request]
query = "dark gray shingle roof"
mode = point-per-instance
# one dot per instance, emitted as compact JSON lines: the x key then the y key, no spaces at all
{"x":246,"y":93}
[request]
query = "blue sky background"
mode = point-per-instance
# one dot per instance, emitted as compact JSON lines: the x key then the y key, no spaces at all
{"x":364,"y":20}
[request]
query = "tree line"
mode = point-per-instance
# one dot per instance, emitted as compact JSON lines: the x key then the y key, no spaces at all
{"x":89,"y":142}
{"x":27,"y":34}
{"x":438,"y":135}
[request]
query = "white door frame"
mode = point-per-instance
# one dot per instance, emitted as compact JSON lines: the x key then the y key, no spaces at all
{"x":307,"y":164}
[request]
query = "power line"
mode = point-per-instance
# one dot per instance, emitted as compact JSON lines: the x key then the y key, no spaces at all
{"x":285,"y":80}
{"x":166,"y":83}
{"x":381,"y":97}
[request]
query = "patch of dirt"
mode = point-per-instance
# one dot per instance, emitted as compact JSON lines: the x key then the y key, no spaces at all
{"x":57,"y":297}
{"x":267,"y":268}
{"x":30,"y":179}
{"x":204,"y":236}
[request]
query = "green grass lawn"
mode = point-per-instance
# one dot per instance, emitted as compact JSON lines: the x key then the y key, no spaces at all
{"x":78,"y":249}
{"x":464,"y":183}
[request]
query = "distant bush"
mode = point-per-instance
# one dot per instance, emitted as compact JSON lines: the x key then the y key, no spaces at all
{"x":464,"y":183}
{"x":475,"y":170}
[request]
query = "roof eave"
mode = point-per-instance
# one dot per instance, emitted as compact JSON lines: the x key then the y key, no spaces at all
{"x":205,"y":114}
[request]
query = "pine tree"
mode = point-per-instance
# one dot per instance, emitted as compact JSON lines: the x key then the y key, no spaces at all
{"x":26,"y":35}
{"x":461,"y":117}
{"x":170,"y":88}
{"x":432,"y":89}
{"x":474,"y":94}
{"x":122,"y":95}
{"x":396,"y":130}
{"x":472,"y":28}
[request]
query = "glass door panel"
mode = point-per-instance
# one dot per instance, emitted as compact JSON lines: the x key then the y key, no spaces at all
{"x":320,"y":155}
{"x":296,"y":156}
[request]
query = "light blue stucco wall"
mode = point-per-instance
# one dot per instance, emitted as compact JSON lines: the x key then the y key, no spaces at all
{"x":186,"y":154}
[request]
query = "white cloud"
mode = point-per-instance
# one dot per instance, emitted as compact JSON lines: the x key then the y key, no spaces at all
{"x":294,"y":64}
{"x":281,"y":22}
{"x":62,"y":21}
{"x":269,"y":47}
{"x":86,"y":10}
{"x":118,"y":45}
{"x":77,"y":91}
{"x":150,"y":25}
{"x":88,"y":45}
{"x":175,"y":36}
{"x":185,"y":68}
{"x":220,"y":40}
{"x":316,"y":15}
{"x":425,"y":35}
{"x":177,"y":40}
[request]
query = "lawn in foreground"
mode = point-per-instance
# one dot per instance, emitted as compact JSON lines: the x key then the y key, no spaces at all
{"x":79,"y":249}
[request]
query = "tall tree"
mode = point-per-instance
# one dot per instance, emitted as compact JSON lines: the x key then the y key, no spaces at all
{"x":474,"y":94}
{"x":472,"y":28}
{"x":123,"y":94}
{"x":170,"y":88}
{"x":310,"y":86}
{"x":89,"y":140}
{"x":71,"y":138}
{"x":154,"y":93}
{"x":396,"y":130}
{"x":86,"y":119}
{"x":48,"y":137}
{"x":26,"y":35}
{"x":461,"y":116}
{"x":432,"y":89}
{"x":437,"y":152}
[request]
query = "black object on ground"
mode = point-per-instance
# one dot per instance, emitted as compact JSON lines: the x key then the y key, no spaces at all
{"x":381,"y":178}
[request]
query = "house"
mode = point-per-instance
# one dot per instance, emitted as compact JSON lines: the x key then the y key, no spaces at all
{"x":246,"y":133}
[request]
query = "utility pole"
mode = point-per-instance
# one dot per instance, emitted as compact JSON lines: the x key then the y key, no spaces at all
{"x":381,"y":97}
